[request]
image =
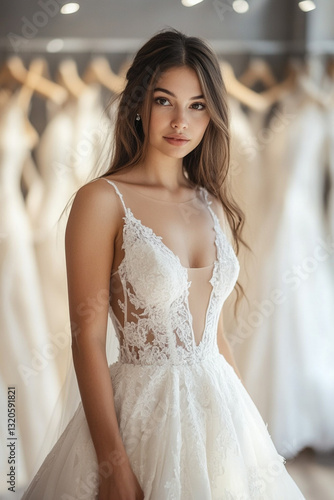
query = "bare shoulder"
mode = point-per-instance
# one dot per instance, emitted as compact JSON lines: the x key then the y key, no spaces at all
{"x":96,"y":203}
{"x":97,"y":194}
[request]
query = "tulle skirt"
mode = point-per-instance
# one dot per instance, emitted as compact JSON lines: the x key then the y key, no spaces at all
{"x":191,"y":432}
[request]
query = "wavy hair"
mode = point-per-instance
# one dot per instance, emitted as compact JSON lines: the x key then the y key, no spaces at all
{"x":208,"y":164}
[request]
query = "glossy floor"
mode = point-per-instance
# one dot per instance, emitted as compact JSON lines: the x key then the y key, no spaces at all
{"x":314,"y":474}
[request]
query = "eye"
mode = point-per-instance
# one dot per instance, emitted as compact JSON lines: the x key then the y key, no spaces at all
{"x":200,"y":106}
{"x":162,"y":101}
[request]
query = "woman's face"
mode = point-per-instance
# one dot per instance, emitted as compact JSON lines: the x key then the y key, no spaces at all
{"x":178,"y":109}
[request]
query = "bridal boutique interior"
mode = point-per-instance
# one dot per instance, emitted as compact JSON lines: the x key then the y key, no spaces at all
{"x":59,"y":66}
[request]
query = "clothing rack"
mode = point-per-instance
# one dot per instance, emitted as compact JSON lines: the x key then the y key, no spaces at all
{"x":129,"y":45}
{"x":126,"y":45}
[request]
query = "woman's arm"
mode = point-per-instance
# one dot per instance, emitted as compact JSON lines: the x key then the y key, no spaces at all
{"x":92,"y":227}
{"x":89,"y":254}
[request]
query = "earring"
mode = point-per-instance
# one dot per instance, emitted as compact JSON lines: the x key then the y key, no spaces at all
{"x":137,"y":117}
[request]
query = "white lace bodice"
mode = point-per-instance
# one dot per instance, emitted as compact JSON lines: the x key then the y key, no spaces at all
{"x":152,"y":287}
{"x":188,"y":426}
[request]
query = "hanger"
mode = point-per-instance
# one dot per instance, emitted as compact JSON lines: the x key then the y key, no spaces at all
{"x":37,"y":67}
{"x":31,"y":81}
{"x":258,"y":101}
{"x":277,"y":91}
{"x":99,"y":71}
{"x":239,"y":91}
{"x":31,"y":177}
{"x":13,"y":72}
{"x":68,"y":77}
{"x":258,"y":71}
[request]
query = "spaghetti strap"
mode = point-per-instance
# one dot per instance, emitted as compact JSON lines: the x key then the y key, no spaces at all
{"x":204,"y":191}
{"x":208,"y":202}
{"x":118,"y":192}
{"x":220,"y":221}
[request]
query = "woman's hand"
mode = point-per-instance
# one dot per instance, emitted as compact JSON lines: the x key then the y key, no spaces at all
{"x":121,"y":484}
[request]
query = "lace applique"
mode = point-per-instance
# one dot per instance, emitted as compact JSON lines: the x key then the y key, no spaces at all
{"x":157,"y":325}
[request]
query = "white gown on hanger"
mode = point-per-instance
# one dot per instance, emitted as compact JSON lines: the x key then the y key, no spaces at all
{"x":247,"y":176}
{"x":59,"y":184}
{"x":79,"y":127}
{"x":288,"y":359}
{"x":329,"y":113}
{"x":259,"y":140}
{"x":189,"y":427}
{"x":25,"y":355}
{"x":91,"y":133}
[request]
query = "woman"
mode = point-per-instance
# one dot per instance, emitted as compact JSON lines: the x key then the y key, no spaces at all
{"x":153,"y":237}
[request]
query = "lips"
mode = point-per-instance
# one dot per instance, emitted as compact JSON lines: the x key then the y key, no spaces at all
{"x":177,"y":140}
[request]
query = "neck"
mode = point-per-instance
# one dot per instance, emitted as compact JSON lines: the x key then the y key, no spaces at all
{"x":163,"y":171}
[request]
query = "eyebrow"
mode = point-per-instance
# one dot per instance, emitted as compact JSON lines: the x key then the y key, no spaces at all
{"x":173,"y":95}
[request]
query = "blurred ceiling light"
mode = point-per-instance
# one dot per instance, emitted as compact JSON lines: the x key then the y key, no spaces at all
{"x":240,"y":6}
{"x":190,"y":3}
{"x":306,"y":5}
{"x":70,"y":8}
{"x":55,"y":45}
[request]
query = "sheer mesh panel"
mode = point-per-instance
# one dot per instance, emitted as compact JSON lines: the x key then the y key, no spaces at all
{"x":180,"y":227}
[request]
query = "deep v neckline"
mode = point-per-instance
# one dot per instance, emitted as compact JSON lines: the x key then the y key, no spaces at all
{"x":129,"y":218}
{"x":127,"y":211}
{"x":169,"y":250}
{"x":159,"y":239}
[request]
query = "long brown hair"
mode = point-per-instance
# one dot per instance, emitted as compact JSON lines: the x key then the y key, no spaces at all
{"x":208,"y":164}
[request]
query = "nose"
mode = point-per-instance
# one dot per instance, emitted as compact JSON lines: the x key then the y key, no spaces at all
{"x":179,"y":120}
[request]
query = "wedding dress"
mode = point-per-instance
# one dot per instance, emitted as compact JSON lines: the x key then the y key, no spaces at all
{"x":92,"y":134}
{"x":59,"y":184}
{"x":80,"y":127}
{"x":25,"y":357}
{"x":288,"y":357}
{"x":328,"y":87}
{"x":189,"y":427}
{"x":247,"y":175}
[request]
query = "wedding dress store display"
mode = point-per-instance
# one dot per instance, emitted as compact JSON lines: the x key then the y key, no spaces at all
{"x":328,"y":86}
{"x":287,"y":360}
{"x":23,"y":326}
{"x":58,"y":186}
{"x":91,"y":131}
{"x":268,"y":134}
{"x":284,"y":352}
{"x":247,"y":185}
{"x":81,"y":128}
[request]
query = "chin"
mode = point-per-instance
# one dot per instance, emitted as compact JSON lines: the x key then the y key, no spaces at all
{"x":178,"y":154}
